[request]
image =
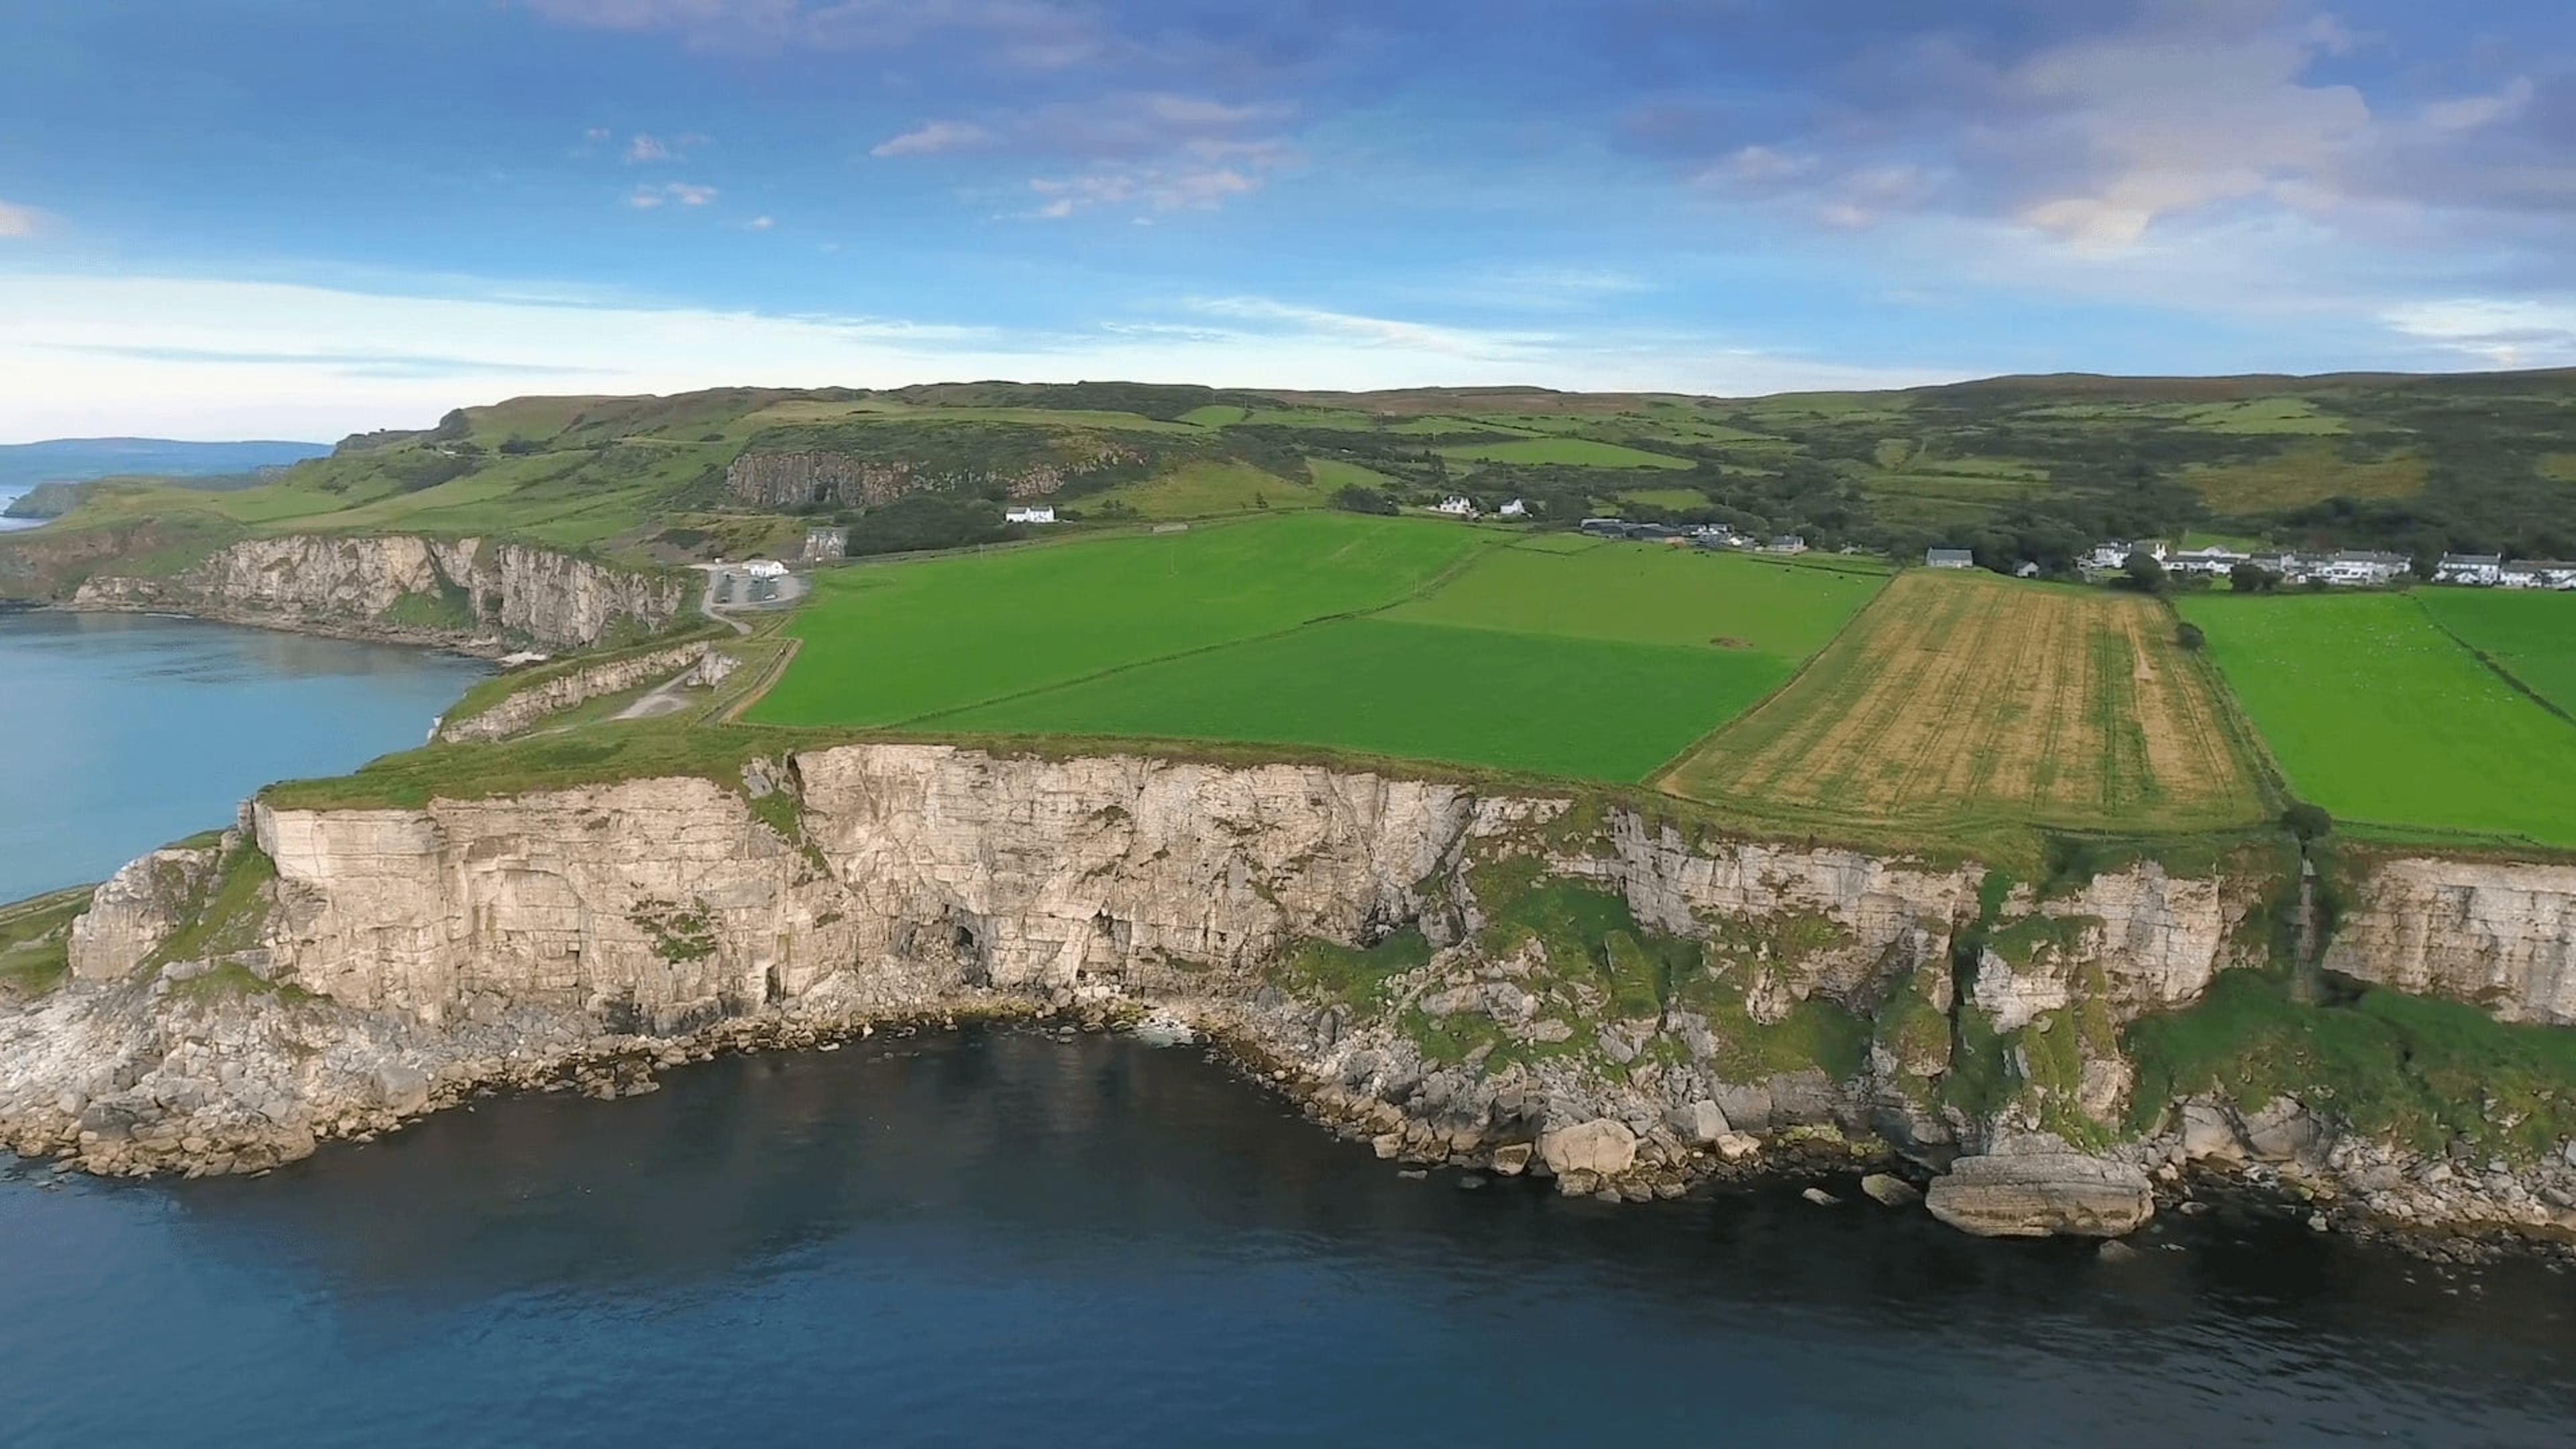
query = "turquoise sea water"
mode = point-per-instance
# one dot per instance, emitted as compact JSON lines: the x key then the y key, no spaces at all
{"x":121,"y":732}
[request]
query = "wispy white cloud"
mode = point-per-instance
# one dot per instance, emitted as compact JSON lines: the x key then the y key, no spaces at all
{"x":647,"y":148}
{"x":89,"y":355}
{"x":646,"y":198}
{"x":19,"y":221}
{"x":931,"y":138}
{"x":2495,"y":332}
{"x":760,"y":223}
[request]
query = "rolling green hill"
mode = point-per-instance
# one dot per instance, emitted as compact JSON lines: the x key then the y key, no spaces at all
{"x":2031,"y":468}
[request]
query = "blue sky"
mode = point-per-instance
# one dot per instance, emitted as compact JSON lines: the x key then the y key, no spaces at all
{"x":304,"y":217}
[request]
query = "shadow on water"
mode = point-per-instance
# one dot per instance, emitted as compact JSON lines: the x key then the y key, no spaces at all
{"x":990,"y":1236}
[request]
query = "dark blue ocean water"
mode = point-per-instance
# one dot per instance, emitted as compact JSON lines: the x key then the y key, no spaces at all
{"x":991,"y":1239}
{"x":120,"y":732}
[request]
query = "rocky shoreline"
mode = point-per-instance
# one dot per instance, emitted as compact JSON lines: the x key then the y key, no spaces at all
{"x":1432,"y":972}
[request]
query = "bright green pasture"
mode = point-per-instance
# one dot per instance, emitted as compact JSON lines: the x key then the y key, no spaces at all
{"x":885,"y":643}
{"x":1651,"y":594}
{"x":1332,"y":475}
{"x":1574,"y":452}
{"x":2377,"y":715}
{"x":1555,"y":705}
{"x":2529,"y":634}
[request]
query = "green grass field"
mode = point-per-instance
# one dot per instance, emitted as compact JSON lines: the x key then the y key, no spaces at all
{"x":886,"y":643}
{"x":2377,"y":715}
{"x":1317,"y":629}
{"x":1203,"y":487}
{"x":1643,"y":594}
{"x":2528,"y":634}
{"x":1576,"y":452}
{"x":1553,"y":705}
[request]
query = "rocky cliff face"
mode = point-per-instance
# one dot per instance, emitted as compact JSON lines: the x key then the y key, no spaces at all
{"x":791,"y":479}
{"x":467,"y":593}
{"x":1520,"y":983}
{"x":2500,"y":934}
{"x":695,"y":663}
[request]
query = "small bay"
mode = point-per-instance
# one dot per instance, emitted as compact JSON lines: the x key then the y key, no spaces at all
{"x":124,"y":731}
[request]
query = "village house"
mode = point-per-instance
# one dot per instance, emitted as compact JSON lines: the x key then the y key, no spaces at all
{"x":1456,"y":506}
{"x":2213,"y":560}
{"x":765,"y":568}
{"x":1785,"y":543}
{"x":2115,"y":555}
{"x":2468,"y":568}
{"x":2537,"y":573}
{"x":1948,"y":558}
{"x":1514,"y":509}
{"x":1044,"y":513}
{"x":2361,"y":567}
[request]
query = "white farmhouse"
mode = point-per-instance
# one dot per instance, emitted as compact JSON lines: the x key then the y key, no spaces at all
{"x":1948,"y":558}
{"x":1041,"y":514}
{"x":2468,"y":568}
{"x":764,"y":568}
{"x":1514,"y":509}
{"x":1456,"y":506}
{"x":2214,"y":560}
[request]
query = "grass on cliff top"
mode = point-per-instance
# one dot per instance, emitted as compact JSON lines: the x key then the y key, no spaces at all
{"x":34,"y":941}
{"x":2376,"y":714}
{"x":2409,"y":1067}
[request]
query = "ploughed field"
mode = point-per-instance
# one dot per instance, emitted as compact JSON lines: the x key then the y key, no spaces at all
{"x":2375,"y":709}
{"x":1961,"y":700}
{"x":1417,"y":639}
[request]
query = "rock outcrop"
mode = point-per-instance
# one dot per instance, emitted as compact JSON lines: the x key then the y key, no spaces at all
{"x":693,"y":663}
{"x":2500,"y":933}
{"x":1518,"y":983}
{"x":796,"y":478}
{"x":480,"y":594}
{"x":2036,"y":1193}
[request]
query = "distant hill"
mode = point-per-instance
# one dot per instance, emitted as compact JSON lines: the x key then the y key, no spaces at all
{"x":2019,"y":470}
{"x":71,"y":459}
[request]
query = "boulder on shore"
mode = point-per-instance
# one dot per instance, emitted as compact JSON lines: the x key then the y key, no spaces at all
{"x":1602,"y":1145}
{"x":2035,"y":1194}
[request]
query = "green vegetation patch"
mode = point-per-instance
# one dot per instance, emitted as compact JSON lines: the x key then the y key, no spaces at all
{"x":1572,"y":452}
{"x":2377,"y":715}
{"x":2410,"y":1067}
{"x":1357,"y":977}
{"x":1645,"y":594}
{"x":889,"y":643}
{"x":1578,"y":708}
{"x":35,"y":940}
{"x":2527,"y":633}
{"x":229,"y":916}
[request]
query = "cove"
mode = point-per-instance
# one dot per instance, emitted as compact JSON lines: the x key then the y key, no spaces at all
{"x":1006,"y":1237}
{"x":126,"y":731}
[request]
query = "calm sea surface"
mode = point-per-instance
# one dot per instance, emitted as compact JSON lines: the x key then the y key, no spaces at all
{"x":1006,"y":1239}
{"x":120,"y":732}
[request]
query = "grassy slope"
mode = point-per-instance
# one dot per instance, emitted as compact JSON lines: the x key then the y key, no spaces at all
{"x":2378,"y":716}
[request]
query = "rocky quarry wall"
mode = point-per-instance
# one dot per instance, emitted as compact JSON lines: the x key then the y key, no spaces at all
{"x":481,"y":594}
{"x":1519,"y":984}
{"x":795,"y":478}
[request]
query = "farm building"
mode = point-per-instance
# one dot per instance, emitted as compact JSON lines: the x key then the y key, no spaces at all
{"x":822,"y":545}
{"x":1786,"y":543}
{"x":1948,"y":558}
{"x":2468,"y":568}
{"x":2212,"y":560}
{"x":1606,"y":527}
{"x":1041,"y":514}
{"x":2537,"y":573}
{"x":2116,"y":554}
{"x":764,"y":568}
{"x":1514,"y":509}
{"x":2359,"y":567}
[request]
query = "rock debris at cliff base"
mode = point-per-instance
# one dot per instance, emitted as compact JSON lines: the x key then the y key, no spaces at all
{"x":1503,"y":983}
